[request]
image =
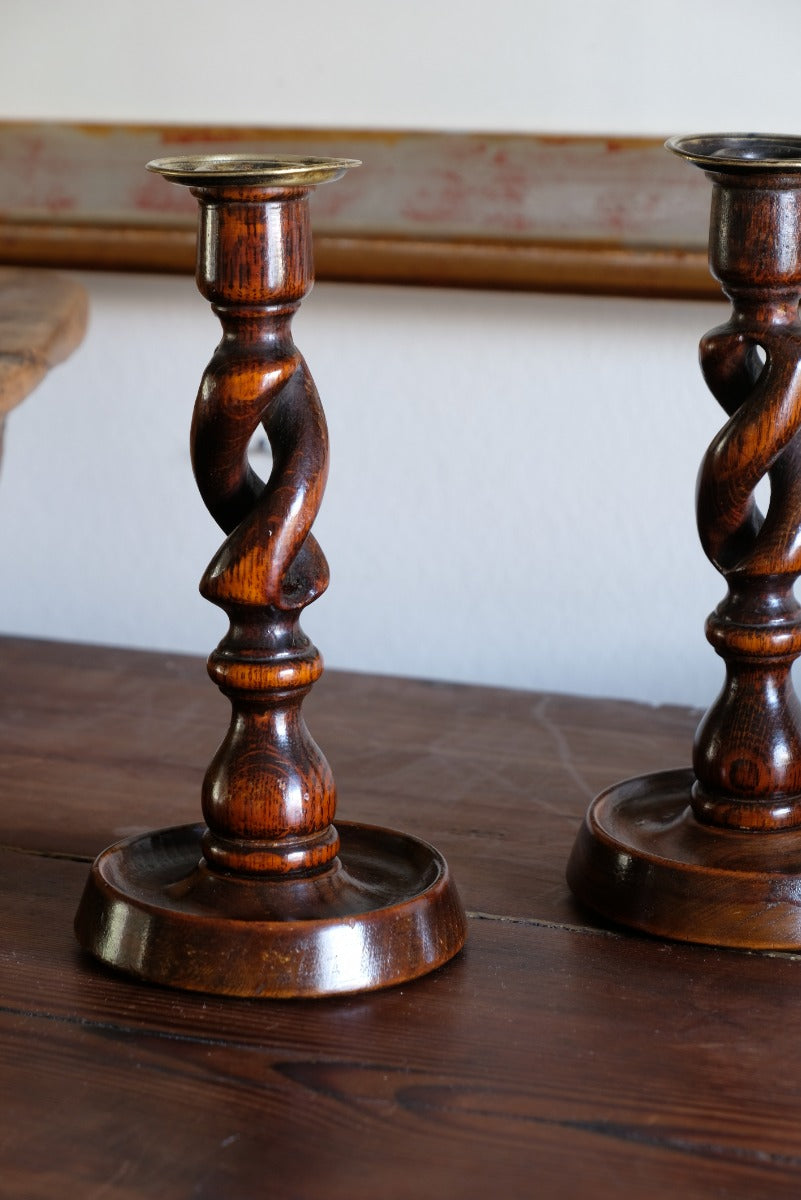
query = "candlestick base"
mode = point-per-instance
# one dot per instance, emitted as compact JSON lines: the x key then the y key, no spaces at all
{"x":385,"y":911}
{"x":643,"y":859}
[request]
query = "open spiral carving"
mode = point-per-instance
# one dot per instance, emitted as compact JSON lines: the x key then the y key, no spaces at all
{"x":270,"y":559}
{"x":748,"y":748}
{"x":268,"y":796}
{"x":764,"y":404}
{"x":712,"y":855}
{"x":265,"y":900}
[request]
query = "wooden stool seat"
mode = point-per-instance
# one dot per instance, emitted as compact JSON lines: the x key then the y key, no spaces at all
{"x":42,"y":320}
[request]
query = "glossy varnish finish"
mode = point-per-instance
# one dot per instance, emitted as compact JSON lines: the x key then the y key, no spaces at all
{"x":552,"y":1059}
{"x":269,"y":898}
{"x":713,"y":854}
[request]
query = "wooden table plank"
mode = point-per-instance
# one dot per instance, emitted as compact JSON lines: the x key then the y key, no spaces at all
{"x":541,"y":1062}
{"x":96,"y":744}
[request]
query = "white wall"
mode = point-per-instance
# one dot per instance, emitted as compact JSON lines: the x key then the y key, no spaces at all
{"x":511,"y":497}
{"x":590,"y":65}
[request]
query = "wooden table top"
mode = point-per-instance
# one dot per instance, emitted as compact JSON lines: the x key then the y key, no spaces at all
{"x":553,"y":1058}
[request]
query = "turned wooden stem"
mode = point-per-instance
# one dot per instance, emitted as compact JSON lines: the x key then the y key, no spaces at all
{"x":747,"y":753}
{"x":267,"y":898}
{"x":713,"y":854}
{"x":268,"y":796}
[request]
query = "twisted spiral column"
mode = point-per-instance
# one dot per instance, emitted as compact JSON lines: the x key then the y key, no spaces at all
{"x":267,"y":898}
{"x":268,"y":796}
{"x":747,"y":754}
{"x":714,"y":854}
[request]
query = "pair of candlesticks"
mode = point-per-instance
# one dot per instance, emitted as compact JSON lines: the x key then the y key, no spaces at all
{"x":268,"y":897}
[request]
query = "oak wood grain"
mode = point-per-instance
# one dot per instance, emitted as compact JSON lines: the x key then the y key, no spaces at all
{"x":122,"y":737}
{"x":265,"y":896}
{"x":712,"y":854}
{"x":570,"y":1063}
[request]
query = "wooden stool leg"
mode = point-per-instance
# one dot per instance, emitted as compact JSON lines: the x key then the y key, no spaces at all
{"x":269,"y":898}
{"x":714,"y":854}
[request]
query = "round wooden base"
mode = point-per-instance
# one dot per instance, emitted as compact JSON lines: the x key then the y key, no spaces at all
{"x":386,"y":911}
{"x":642,"y":859}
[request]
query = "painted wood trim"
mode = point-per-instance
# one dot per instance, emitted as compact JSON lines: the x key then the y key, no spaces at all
{"x":564,"y":214}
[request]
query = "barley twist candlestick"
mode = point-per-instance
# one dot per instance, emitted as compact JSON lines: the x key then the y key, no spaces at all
{"x":714,"y":854}
{"x":269,"y":898}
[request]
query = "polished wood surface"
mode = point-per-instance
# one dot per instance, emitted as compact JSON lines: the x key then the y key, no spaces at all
{"x":553,"y":1058}
{"x":269,"y":897}
{"x":713,"y":854}
{"x":595,"y":215}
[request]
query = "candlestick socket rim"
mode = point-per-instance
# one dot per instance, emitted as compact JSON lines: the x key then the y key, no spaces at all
{"x":739,"y":151}
{"x":274,"y":170}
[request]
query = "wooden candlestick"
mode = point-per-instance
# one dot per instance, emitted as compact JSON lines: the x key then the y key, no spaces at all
{"x":269,"y":898}
{"x":714,"y":854}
